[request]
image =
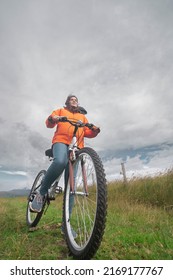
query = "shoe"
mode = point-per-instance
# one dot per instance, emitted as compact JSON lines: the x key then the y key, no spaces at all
{"x":37,"y":204}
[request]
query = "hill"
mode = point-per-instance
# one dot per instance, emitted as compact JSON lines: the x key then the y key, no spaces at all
{"x":14,"y":193}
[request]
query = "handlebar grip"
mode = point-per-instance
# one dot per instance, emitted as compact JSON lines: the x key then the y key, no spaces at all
{"x":62,"y":119}
{"x":89,"y":125}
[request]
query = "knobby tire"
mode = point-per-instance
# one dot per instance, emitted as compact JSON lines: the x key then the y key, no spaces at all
{"x":88,"y":249}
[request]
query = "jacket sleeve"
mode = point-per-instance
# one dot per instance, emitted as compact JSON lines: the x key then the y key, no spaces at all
{"x":49,"y":122}
{"x":90,"y":133}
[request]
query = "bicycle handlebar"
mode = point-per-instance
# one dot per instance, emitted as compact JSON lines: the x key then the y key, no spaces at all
{"x":76,"y":123}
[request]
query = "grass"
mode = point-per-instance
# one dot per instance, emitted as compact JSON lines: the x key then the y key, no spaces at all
{"x":139,"y":225}
{"x":18,"y":242}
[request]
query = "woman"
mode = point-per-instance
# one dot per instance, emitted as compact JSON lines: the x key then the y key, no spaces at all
{"x":60,"y":143}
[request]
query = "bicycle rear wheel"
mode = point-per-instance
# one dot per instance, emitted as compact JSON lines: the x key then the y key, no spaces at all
{"x":32,"y":218}
{"x":84,"y":211}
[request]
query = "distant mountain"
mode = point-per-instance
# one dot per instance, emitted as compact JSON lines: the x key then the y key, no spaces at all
{"x":15,"y":193}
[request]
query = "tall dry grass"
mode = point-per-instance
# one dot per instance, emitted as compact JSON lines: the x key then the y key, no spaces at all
{"x":157,"y":191}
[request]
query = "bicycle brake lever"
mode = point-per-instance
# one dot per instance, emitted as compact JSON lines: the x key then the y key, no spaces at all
{"x":79,"y":122}
{"x":63,"y":119}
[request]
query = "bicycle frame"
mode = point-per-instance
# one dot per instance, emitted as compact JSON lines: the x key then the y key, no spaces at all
{"x":72,"y":157}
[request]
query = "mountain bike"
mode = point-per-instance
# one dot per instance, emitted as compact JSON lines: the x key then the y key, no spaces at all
{"x":84,"y":198}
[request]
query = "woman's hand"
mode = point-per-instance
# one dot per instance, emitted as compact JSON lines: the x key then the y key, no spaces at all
{"x":56,"y":119}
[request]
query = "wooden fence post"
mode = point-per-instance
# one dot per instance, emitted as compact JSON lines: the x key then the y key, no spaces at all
{"x":124,"y":173}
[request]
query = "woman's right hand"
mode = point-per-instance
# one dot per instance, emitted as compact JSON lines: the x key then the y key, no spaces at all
{"x":56,"y":118}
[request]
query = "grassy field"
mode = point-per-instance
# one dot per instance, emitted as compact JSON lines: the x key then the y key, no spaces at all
{"x":139,"y":225}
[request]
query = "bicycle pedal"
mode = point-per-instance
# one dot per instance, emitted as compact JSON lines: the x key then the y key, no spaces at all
{"x":58,"y":190}
{"x":52,"y":198}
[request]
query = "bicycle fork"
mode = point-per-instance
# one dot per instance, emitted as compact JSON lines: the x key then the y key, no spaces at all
{"x":72,"y":177}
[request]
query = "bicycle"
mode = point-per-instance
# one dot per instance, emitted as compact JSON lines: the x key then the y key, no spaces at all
{"x":84,"y":199}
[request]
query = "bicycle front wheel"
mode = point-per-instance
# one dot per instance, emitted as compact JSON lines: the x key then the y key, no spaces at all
{"x":33,"y":218}
{"x":84,"y":209}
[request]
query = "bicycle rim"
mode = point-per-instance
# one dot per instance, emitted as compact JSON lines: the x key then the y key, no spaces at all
{"x":33,"y":218}
{"x":85,"y":209}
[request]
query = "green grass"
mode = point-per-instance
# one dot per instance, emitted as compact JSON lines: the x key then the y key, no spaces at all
{"x":18,"y":242}
{"x":139,"y":225}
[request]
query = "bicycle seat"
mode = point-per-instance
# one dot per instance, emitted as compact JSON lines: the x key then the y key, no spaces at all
{"x":49,"y":153}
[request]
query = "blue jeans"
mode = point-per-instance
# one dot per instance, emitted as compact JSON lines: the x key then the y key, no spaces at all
{"x":60,"y":161}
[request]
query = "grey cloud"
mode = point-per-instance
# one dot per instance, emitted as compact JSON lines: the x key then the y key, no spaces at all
{"x":115,"y":55}
{"x":21,"y":148}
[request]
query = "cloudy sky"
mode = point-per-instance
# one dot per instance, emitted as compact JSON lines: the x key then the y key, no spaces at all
{"x":115,"y":55}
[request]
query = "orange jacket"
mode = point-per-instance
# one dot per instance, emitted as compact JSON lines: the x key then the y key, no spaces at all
{"x":64,"y":130}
